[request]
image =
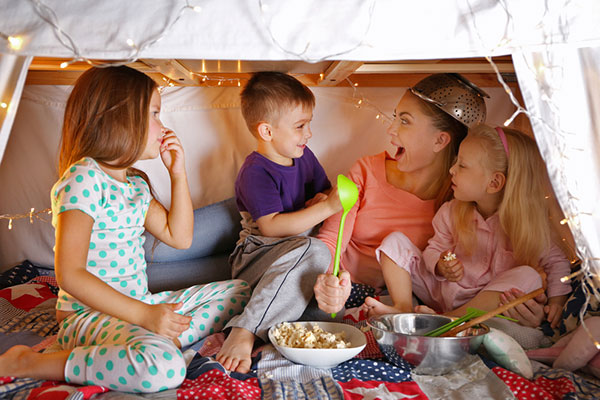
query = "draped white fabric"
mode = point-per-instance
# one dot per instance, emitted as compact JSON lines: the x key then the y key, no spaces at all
{"x":561,"y":88}
{"x":13,"y":71}
{"x":215,"y":138}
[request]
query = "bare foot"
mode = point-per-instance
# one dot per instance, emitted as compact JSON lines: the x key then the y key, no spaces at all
{"x":374,"y":308}
{"x":423,"y":309}
{"x":22,"y":362}
{"x":236,"y":350}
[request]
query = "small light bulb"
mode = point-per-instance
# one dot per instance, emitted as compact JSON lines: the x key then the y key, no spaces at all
{"x":322,"y":76}
{"x":239,"y":84}
{"x":10,"y":224}
{"x":219,"y":83}
{"x":171,"y":84}
{"x":198,"y":9}
{"x":356,"y":84}
{"x":15,"y":42}
{"x":64,"y":64}
{"x":360,"y":101}
{"x":564,"y":221}
{"x":3,"y":105}
{"x":377,"y":116}
{"x":130,"y":43}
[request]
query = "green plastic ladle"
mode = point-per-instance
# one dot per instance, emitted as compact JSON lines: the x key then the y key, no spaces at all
{"x":348,"y":193}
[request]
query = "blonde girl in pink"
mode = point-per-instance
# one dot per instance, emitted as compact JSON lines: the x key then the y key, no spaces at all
{"x":493,"y":236}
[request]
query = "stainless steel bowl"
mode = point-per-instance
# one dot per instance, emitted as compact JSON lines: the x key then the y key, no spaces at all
{"x":401,"y":335}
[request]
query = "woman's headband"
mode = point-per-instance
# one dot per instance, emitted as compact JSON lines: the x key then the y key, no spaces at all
{"x":503,"y":139}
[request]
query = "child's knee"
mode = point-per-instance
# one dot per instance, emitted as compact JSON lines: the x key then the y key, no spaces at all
{"x":164,"y":369}
{"x":319,"y":254}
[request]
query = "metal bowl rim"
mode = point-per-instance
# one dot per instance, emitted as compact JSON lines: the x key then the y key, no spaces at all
{"x":484,"y":327}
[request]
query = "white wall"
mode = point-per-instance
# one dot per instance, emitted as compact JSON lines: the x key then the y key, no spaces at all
{"x":215,"y":139}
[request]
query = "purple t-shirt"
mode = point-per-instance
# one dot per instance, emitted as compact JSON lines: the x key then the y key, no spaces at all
{"x":264,"y":187}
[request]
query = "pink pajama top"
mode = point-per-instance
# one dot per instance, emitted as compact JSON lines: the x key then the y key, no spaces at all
{"x":487,"y":267}
{"x":380,"y":209}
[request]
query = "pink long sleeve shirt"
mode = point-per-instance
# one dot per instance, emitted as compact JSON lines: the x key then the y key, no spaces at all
{"x":380,"y":209}
{"x":492,"y":255}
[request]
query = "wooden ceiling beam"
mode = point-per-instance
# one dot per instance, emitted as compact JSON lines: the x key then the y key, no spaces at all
{"x":338,"y":71}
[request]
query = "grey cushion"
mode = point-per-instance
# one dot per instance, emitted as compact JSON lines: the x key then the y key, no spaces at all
{"x":216,"y":230}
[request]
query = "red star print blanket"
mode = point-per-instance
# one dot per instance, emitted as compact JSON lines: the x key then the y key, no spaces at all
{"x":27,"y":317}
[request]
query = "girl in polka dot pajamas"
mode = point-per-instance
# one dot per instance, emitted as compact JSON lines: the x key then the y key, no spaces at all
{"x":113,"y":331}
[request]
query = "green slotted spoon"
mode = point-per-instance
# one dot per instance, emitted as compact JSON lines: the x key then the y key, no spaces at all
{"x":348,"y":193}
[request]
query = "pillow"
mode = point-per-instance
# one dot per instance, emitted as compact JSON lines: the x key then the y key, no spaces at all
{"x":505,"y":351}
{"x":19,"y":274}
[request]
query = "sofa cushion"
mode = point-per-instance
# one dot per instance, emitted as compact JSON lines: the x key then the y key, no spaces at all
{"x":216,"y":230}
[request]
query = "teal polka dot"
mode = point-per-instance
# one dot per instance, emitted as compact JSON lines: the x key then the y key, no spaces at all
{"x":62,"y":208}
{"x":102,"y":235}
{"x":102,"y":272}
{"x":99,"y":376}
{"x":82,"y":339}
{"x":121,"y":252}
{"x":113,"y":386}
{"x":91,"y":173}
{"x":146,"y":384}
{"x":67,"y":188}
{"x":182,"y":372}
{"x":121,"y":235}
{"x":102,"y":351}
{"x":170,"y":373}
{"x":89,"y":361}
{"x":113,"y":264}
{"x":92,"y":263}
{"x":205,"y":315}
{"x":112,"y":245}
{"x":76,"y":370}
{"x":71,"y":356}
{"x":109,"y":365}
{"x":122,"y":354}
{"x":168,"y":356}
{"x":93,"y":207}
{"x":92,"y":245}
{"x":86,"y":193}
{"x":72,"y":169}
{"x":96,"y":188}
{"x":79,"y":178}
{"x":131,"y":370}
{"x":153,"y":370}
{"x":110,"y":213}
{"x":139,"y":358}
{"x":119,"y":327}
{"x":102,"y":253}
{"x":133,"y":293}
{"x":73,"y":200}
{"x":217,"y":319}
{"x":233,"y":300}
{"x":202,"y":327}
{"x":104,"y":185}
{"x":122,"y":381}
{"x":117,"y":336}
{"x":113,"y":187}
{"x":162,"y":388}
{"x":123,"y":284}
{"x":102,"y":225}
{"x":113,"y":197}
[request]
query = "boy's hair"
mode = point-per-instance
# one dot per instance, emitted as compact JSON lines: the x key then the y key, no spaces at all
{"x":106,"y":118}
{"x":269,"y":94}
{"x":523,"y":211}
{"x":444,"y":122}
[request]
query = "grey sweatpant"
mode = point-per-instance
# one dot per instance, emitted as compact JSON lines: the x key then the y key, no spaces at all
{"x":282,"y":273}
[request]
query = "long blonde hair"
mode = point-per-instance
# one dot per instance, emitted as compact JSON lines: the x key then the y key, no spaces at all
{"x":523,"y":211}
{"x":106,"y":118}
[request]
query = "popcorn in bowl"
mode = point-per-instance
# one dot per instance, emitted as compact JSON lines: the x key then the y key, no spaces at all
{"x":296,"y":335}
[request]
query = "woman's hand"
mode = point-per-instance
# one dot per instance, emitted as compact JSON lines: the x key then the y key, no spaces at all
{"x":332,"y":292}
{"x":531,"y":313}
{"x":450,"y":268}
{"x":171,"y":153}
{"x":163,"y":320}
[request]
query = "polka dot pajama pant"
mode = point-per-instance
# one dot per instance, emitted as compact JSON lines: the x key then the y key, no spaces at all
{"x":109,"y":352}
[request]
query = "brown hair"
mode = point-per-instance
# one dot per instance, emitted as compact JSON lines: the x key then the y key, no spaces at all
{"x":106,"y":118}
{"x":523,"y":197}
{"x":268,"y":94}
{"x":444,"y":122}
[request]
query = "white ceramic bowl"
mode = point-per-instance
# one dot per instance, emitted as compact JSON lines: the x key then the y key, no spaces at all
{"x":324,"y":358}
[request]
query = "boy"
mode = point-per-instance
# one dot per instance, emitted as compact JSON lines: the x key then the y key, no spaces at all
{"x":279,"y":192}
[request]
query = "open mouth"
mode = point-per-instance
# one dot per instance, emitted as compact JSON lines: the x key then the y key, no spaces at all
{"x":400,"y":151}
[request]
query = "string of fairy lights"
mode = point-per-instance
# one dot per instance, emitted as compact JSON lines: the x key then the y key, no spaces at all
{"x":15,"y":43}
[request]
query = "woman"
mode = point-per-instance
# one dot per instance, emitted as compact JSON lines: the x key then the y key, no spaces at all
{"x":400,"y":192}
